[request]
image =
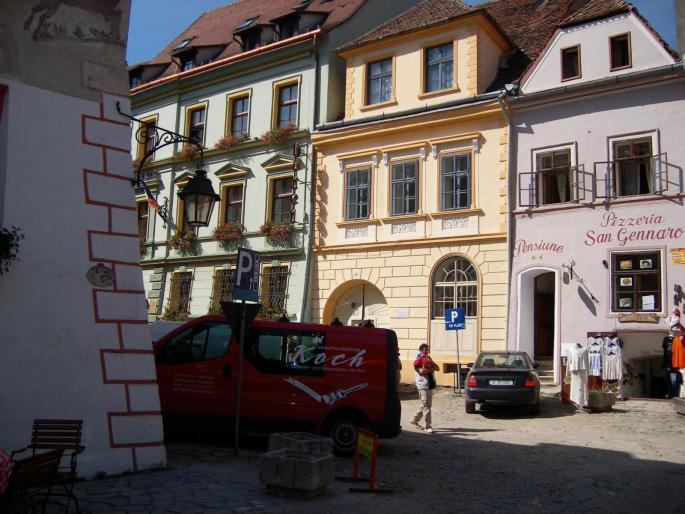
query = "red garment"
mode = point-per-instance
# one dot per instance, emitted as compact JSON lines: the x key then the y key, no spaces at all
{"x":678,"y":356}
{"x":5,"y":470}
{"x":424,"y":361}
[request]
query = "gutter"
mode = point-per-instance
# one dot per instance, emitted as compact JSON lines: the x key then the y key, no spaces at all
{"x":678,"y":68}
{"x":410,"y":112}
{"x":312,"y":203}
{"x":225,"y":61}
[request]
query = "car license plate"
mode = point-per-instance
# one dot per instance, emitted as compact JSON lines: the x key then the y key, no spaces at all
{"x":501,"y":382}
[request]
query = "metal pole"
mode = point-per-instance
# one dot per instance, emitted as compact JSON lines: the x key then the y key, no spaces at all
{"x":456,"y":334}
{"x":241,"y":343}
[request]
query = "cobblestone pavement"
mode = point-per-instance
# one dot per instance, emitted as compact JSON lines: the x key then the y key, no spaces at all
{"x":629,"y":460}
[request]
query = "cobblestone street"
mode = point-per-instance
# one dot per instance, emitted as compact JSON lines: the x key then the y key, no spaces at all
{"x":496,"y":461}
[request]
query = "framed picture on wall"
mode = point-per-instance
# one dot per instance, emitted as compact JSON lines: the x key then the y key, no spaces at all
{"x":625,"y":264}
{"x":626,"y":281}
{"x":645,"y":263}
{"x":625,"y":303}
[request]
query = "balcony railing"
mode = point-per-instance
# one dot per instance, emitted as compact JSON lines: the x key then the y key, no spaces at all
{"x":572,"y":186}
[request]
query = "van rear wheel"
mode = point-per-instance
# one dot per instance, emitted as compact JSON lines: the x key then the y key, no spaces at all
{"x":343,"y":430}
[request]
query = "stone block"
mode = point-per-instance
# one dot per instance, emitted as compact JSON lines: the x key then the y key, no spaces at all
{"x":301,"y":441}
{"x":296,"y":473}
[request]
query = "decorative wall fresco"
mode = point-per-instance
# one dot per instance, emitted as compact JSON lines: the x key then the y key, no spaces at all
{"x":88,"y":21}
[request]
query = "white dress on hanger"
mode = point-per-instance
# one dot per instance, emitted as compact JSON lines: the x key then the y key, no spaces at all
{"x":577,"y":366}
{"x":612,"y":360}
{"x":594,"y":347}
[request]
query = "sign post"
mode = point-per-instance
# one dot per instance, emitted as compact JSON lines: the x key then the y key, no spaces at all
{"x":455,"y":319}
{"x":246,"y":289}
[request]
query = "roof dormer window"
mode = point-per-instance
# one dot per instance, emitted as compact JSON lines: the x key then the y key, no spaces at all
{"x":187,"y":61}
{"x":287,"y":28}
{"x":183,"y":44}
{"x":135,"y":78}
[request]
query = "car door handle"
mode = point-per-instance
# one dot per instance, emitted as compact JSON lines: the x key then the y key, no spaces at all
{"x":227,"y":371}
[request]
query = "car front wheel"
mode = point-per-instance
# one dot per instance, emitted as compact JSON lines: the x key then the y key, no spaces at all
{"x":343,"y":430}
{"x":470,"y":407}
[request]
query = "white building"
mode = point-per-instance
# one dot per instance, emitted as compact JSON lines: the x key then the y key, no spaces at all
{"x":597,"y":227}
{"x":75,"y":342}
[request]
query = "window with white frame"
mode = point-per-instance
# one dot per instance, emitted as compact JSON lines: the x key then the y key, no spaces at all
{"x":633,"y":169}
{"x":379,"y":81}
{"x":455,"y":181}
{"x":636,"y":281}
{"x":232,"y":196}
{"x":455,"y":284}
{"x":357,"y":193}
{"x":196,"y":124}
{"x":240,"y":110}
{"x":404,"y":186}
{"x":439,"y":67}
{"x":281,"y":199}
{"x":287,"y":105}
{"x":554,"y":176}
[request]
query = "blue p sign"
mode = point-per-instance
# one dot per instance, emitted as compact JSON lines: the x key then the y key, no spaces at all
{"x":455,"y":319}
{"x":247,"y":275}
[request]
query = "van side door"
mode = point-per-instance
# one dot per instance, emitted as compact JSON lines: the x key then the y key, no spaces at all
{"x":194,"y":371}
{"x":284,"y":378}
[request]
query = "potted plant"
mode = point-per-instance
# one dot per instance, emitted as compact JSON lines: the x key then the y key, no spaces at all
{"x":9,"y":247}
{"x":277,"y":135}
{"x":230,"y":140}
{"x":271,"y":312}
{"x":600,"y":401}
{"x":229,"y":232}
{"x":182,"y":241}
{"x":186,"y":153}
{"x":173,"y":314}
{"x":277,"y":233}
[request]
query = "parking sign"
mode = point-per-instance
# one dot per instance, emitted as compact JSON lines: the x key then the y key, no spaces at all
{"x":455,"y":319}
{"x":247,"y":276}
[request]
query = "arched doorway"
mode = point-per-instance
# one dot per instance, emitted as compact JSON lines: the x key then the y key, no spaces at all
{"x":538,"y":315}
{"x":357,"y":301}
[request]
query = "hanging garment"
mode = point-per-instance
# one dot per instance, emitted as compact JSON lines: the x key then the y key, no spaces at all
{"x":678,"y":352}
{"x":612,"y":360}
{"x":667,"y":346}
{"x":576,"y":367}
{"x":594,"y":348}
{"x":674,"y":379}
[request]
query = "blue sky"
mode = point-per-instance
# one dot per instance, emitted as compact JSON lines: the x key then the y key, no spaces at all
{"x":154,"y":23}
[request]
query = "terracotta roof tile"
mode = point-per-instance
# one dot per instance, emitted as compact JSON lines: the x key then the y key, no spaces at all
{"x":595,"y":9}
{"x":215,"y":27}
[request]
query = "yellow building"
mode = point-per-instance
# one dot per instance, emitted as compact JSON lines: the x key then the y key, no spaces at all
{"x":411,"y":200}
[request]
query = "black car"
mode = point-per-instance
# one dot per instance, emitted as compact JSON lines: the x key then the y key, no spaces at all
{"x":503,"y":378}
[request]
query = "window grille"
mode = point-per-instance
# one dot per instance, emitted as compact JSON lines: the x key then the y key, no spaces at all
{"x":274,"y":286}
{"x":222,"y":288}
{"x":179,"y":294}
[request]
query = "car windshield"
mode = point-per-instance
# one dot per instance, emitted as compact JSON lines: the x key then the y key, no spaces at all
{"x":502,"y":360}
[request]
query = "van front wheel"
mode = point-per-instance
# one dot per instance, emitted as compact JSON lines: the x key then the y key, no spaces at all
{"x":343,"y":430}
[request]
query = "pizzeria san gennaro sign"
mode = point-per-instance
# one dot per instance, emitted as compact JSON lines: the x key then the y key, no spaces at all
{"x":624,"y":230}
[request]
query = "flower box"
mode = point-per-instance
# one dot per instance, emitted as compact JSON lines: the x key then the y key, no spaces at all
{"x":278,"y":234}
{"x":277,"y":135}
{"x":227,"y":233}
{"x":230,"y":140}
{"x":182,"y":241}
{"x":186,"y":153}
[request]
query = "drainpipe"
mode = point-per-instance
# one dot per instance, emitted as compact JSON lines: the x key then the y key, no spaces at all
{"x":510,"y":217}
{"x":312,"y":187}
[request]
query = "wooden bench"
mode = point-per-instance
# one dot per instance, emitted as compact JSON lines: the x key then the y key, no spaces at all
{"x":30,"y":483}
{"x":59,"y":434}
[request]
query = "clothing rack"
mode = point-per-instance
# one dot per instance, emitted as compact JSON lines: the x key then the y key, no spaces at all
{"x":602,"y":334}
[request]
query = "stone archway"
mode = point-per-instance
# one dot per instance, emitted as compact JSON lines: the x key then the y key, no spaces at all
{"x":356,"y":300}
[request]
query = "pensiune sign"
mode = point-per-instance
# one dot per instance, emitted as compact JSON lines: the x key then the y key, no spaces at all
{"x":623,"y":230}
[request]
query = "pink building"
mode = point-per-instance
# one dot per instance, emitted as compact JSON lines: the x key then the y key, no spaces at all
{"x":598,"y":225}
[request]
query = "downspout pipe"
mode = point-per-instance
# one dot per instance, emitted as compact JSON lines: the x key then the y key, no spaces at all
{"x":312,"y":187}
{"x":510,"y":218}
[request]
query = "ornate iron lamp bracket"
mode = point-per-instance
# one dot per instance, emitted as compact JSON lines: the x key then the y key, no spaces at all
{"x":162,"y":137}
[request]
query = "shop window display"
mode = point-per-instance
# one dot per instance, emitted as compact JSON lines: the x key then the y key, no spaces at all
{"x":636,"y":282}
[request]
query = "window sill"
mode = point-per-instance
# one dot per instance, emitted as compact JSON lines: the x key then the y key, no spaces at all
{"x":439,"y":92}
{"x":460,"y":212}
{"x":404,"y":217}
{"x":371,"y":107}
{"x":566,"y":79}
{"x":356,"y":223}
{"x":619,"y":68}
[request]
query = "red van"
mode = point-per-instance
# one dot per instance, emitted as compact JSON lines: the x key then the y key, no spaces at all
{"x":296,"y":377}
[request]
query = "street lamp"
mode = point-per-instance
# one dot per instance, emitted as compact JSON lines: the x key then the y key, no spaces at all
{"x":198,"y":195}
{"x":198,"y":199}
